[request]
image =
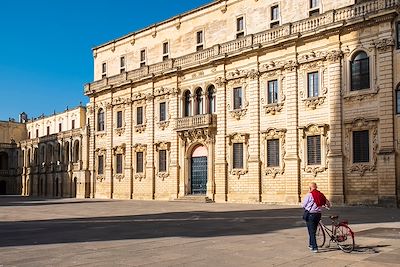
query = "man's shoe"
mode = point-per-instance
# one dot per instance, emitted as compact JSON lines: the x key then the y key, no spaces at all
{"x":314,"y":250}
{"x":310,"y":247}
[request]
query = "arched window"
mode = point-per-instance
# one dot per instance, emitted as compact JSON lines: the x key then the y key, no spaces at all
{"x":211,"y":99}
{"x":100,"y":120}
{"x":199,"y":101}
{"x":360,"y":73}
{"x":76,"y":151}
{"x":187,"y":103}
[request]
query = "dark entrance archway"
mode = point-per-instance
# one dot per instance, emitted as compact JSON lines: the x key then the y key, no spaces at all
{"x":3,"y":187}
{"x":198,"y":171}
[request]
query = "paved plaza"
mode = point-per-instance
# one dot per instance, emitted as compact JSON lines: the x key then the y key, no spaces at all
{"x":77,"y":232}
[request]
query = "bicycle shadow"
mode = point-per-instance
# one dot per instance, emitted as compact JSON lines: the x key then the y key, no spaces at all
{"x":358,"y":249}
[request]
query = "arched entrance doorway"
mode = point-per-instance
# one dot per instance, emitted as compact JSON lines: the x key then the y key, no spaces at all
{"x":3,"y":187}
{"x":198,"y":171}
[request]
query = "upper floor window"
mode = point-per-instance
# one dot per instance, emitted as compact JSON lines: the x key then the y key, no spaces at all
{"x":122,"y":64}
{"x":238,"y":156}
{"x":163,"y":111}
{"x":139,"y":115}
{"x":314,"y":8}
{"x":273,"y":92}
{"x":360,"y":146}
{"x":237,"y":98}
{"x":359,"y":68}
{"x":37,"y":133}
{"x":199,"y":101}
{"x":398,"y":100}
{"x":119,"y":163}
{"x":119,"y":119}
{"x":314,"y":150}
{"x":60,"y":127}
{"x":187,"y":103}
{"x":165,"y":51}
{"x":199,"y":40}
{"x":274,"y":16}
{"x":273,"y":153}
{"x":139,"y":162}
{"x":48,"y":130}
{"x":142,"y":58}
{"x":162,"y":160}
{"x":73,"y":124}
{"x":29,"y":135}
{"x":313,"y":84}
{"x":100,"y":164}
{"x":104,"y":70}
{"x":212,"y":107}
{"x":398,"y":35}
{"x":100,"y":120}
{"x":240,"y":27}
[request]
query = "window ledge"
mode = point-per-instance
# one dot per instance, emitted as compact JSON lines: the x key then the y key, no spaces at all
{"x":238,"y":113}
{"x":120,"y":131}
{"x":140,"y":128}
{"x":273,"y":108}
{"x":313,"y":102}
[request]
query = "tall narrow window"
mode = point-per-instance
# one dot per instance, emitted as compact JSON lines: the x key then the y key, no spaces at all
{"x":100,"y":120}
{"x":100,"y":165}
{"x":187,"y":103}
{"x":122,"y":64}
{"x":273,"y":153}
{"x":37,"y":133}
{"x":73,"y":124}
{"x":104,"y":70}
{"x":398,"y":35}
{"x":359,"y":67}
{"x":163,"y":111}
{"x":139,"y":115}
{"x":274,"y":16}
{"x":119,"y":163}
{"x":237,"y":98}
{"x":239,"y":27}
{"x":48,"y":130}
{"x":273,"y":92}
{"x":139,"y":162}
{"x":29,"y":135}
{"x":165,"y":51}
{"x":238,"y":156}
{"x":211,"y":100}
{"x":119,"y":119}
{"x":142,"y":58}
{"x":199,"y":101}
{"x":360,"y":146}
{"x":313,"y":84}
{"x":162,"y":160}
{"x":398,"y":100}
{"x":314,"y":150}
{"x":314,"y":8}
{"x":60,"y":127}
{"x":199,"y":41}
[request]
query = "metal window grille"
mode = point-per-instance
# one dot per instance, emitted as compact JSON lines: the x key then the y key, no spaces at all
{"x":119,"y":119}
{"x":238,"y":155}
{"x":100,"y":165}
{"x":119,"y":163}
{"x":314,"y":150}
{"x":139,"y":162}
{"x":162,"y":161}
{"x":273,"y":153}
{"x":360,"y":146}
{"x":163,"y":113}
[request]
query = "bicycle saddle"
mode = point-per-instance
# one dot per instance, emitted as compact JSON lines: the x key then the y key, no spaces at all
{"x":335,"y":217}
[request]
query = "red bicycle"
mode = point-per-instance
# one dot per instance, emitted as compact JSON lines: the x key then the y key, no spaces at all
{"x":339,"y":233}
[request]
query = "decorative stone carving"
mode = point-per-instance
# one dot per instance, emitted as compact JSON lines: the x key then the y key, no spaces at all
{"x":140,"y":128}
{"x":236,"y":74}
{"x":334,"y":56}
{"x":119,"y":149}
{"x":163,"y":125}
{"x":313,"y":102}
{"x":238,"y":113}
{"x":139,"y":176}
{"x":360,"y":96}
{"x":120,"y":131}
{"x":203,"y":136}
{"x":253,"y":74}
{"x":273,"y":108}
{"x":119,"y":176}
{"x":163,"y":175}
{"x":220,"y":81}
{"x":361,"y":124}
{"x":383,"y":44}
{"x":140,"y":148}
{"x":270,"y":134}
{"x":290,"y":65}
{"x":238,"y":138}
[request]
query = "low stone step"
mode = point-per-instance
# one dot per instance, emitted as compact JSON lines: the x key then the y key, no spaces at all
{"x":194,"y":198}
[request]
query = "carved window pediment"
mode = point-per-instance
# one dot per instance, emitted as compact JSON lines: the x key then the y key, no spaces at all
{"x":317,"y":66}
{"x":238,"y":138}
{"x":273,"y":134}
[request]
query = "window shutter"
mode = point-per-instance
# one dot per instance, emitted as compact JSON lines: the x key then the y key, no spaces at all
{"x":119,"y":163}
{"x":238,"y":155}
{"x":360,"y":146}
{"x":139,"y":162}
{"x":314,"y":150}
{"x":139,"y":116}
{"x":162,"y":161}
{"x":273,"y":153}
{"x":100,"y":167}
{"x":162,"y":112}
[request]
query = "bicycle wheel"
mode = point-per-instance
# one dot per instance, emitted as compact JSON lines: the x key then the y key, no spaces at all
{"x":344,"y":237}
{"x":320,"y":235}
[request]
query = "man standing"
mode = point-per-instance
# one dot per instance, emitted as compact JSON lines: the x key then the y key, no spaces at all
{"x":312,"y":203}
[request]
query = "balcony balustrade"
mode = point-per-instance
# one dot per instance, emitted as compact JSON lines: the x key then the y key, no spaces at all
{"x":196,"y":122}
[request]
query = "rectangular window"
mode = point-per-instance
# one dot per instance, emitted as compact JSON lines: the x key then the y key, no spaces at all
{"x":360,"y":146}
{"x":29,"y":135}
{"x":273,"y":92}
{"x":122,"y":64}
{"x":139,"y":115}
{"x":238,"y":156}
{"x":398,"y":101}
{"x":314,"y":150}
{"x":139,"y":162}
{"x":60,"y":127}
{"x":199,"y":41}
{"x":314,"y":8}
{"x":273,"y":153}
{"x":73,"y":124}
{"x":162,"y":160}
{"x":37,"y":133}
{"x":237,"y":98}
{"x":274,"y":13}
{"x":119,"y":163}
{"x":398,"y":35}
{"x":165,"y":51}
{"x":104,"y":70}
{"x":314,"y":4}
{"x":48,"y":130}
{"x":119,"y":119}
{"x":313,"y":84}
{"x":163,"y":111}
{"x":143,"y":58}
{"x":240,"y":27}
{"x":100,"y":165}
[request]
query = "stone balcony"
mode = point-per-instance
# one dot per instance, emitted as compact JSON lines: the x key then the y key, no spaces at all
{"x":196,"y":122}
{"x":308,"y":27}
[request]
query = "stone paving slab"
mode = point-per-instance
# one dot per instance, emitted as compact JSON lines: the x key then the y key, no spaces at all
{"x":76,"y":232}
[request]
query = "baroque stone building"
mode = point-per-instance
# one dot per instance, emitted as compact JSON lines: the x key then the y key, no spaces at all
{"x":249,"y":101}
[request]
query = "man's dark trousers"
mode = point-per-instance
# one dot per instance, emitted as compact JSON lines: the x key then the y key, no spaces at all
{"x":312,"y":224}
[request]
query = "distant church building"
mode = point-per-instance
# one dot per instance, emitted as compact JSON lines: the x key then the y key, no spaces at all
{"x":235,"y":101}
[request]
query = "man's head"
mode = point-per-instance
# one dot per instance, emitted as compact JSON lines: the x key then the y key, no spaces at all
{"x":313,"y":186}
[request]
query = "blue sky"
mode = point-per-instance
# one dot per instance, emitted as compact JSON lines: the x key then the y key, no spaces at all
{"x":45,"y":46}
